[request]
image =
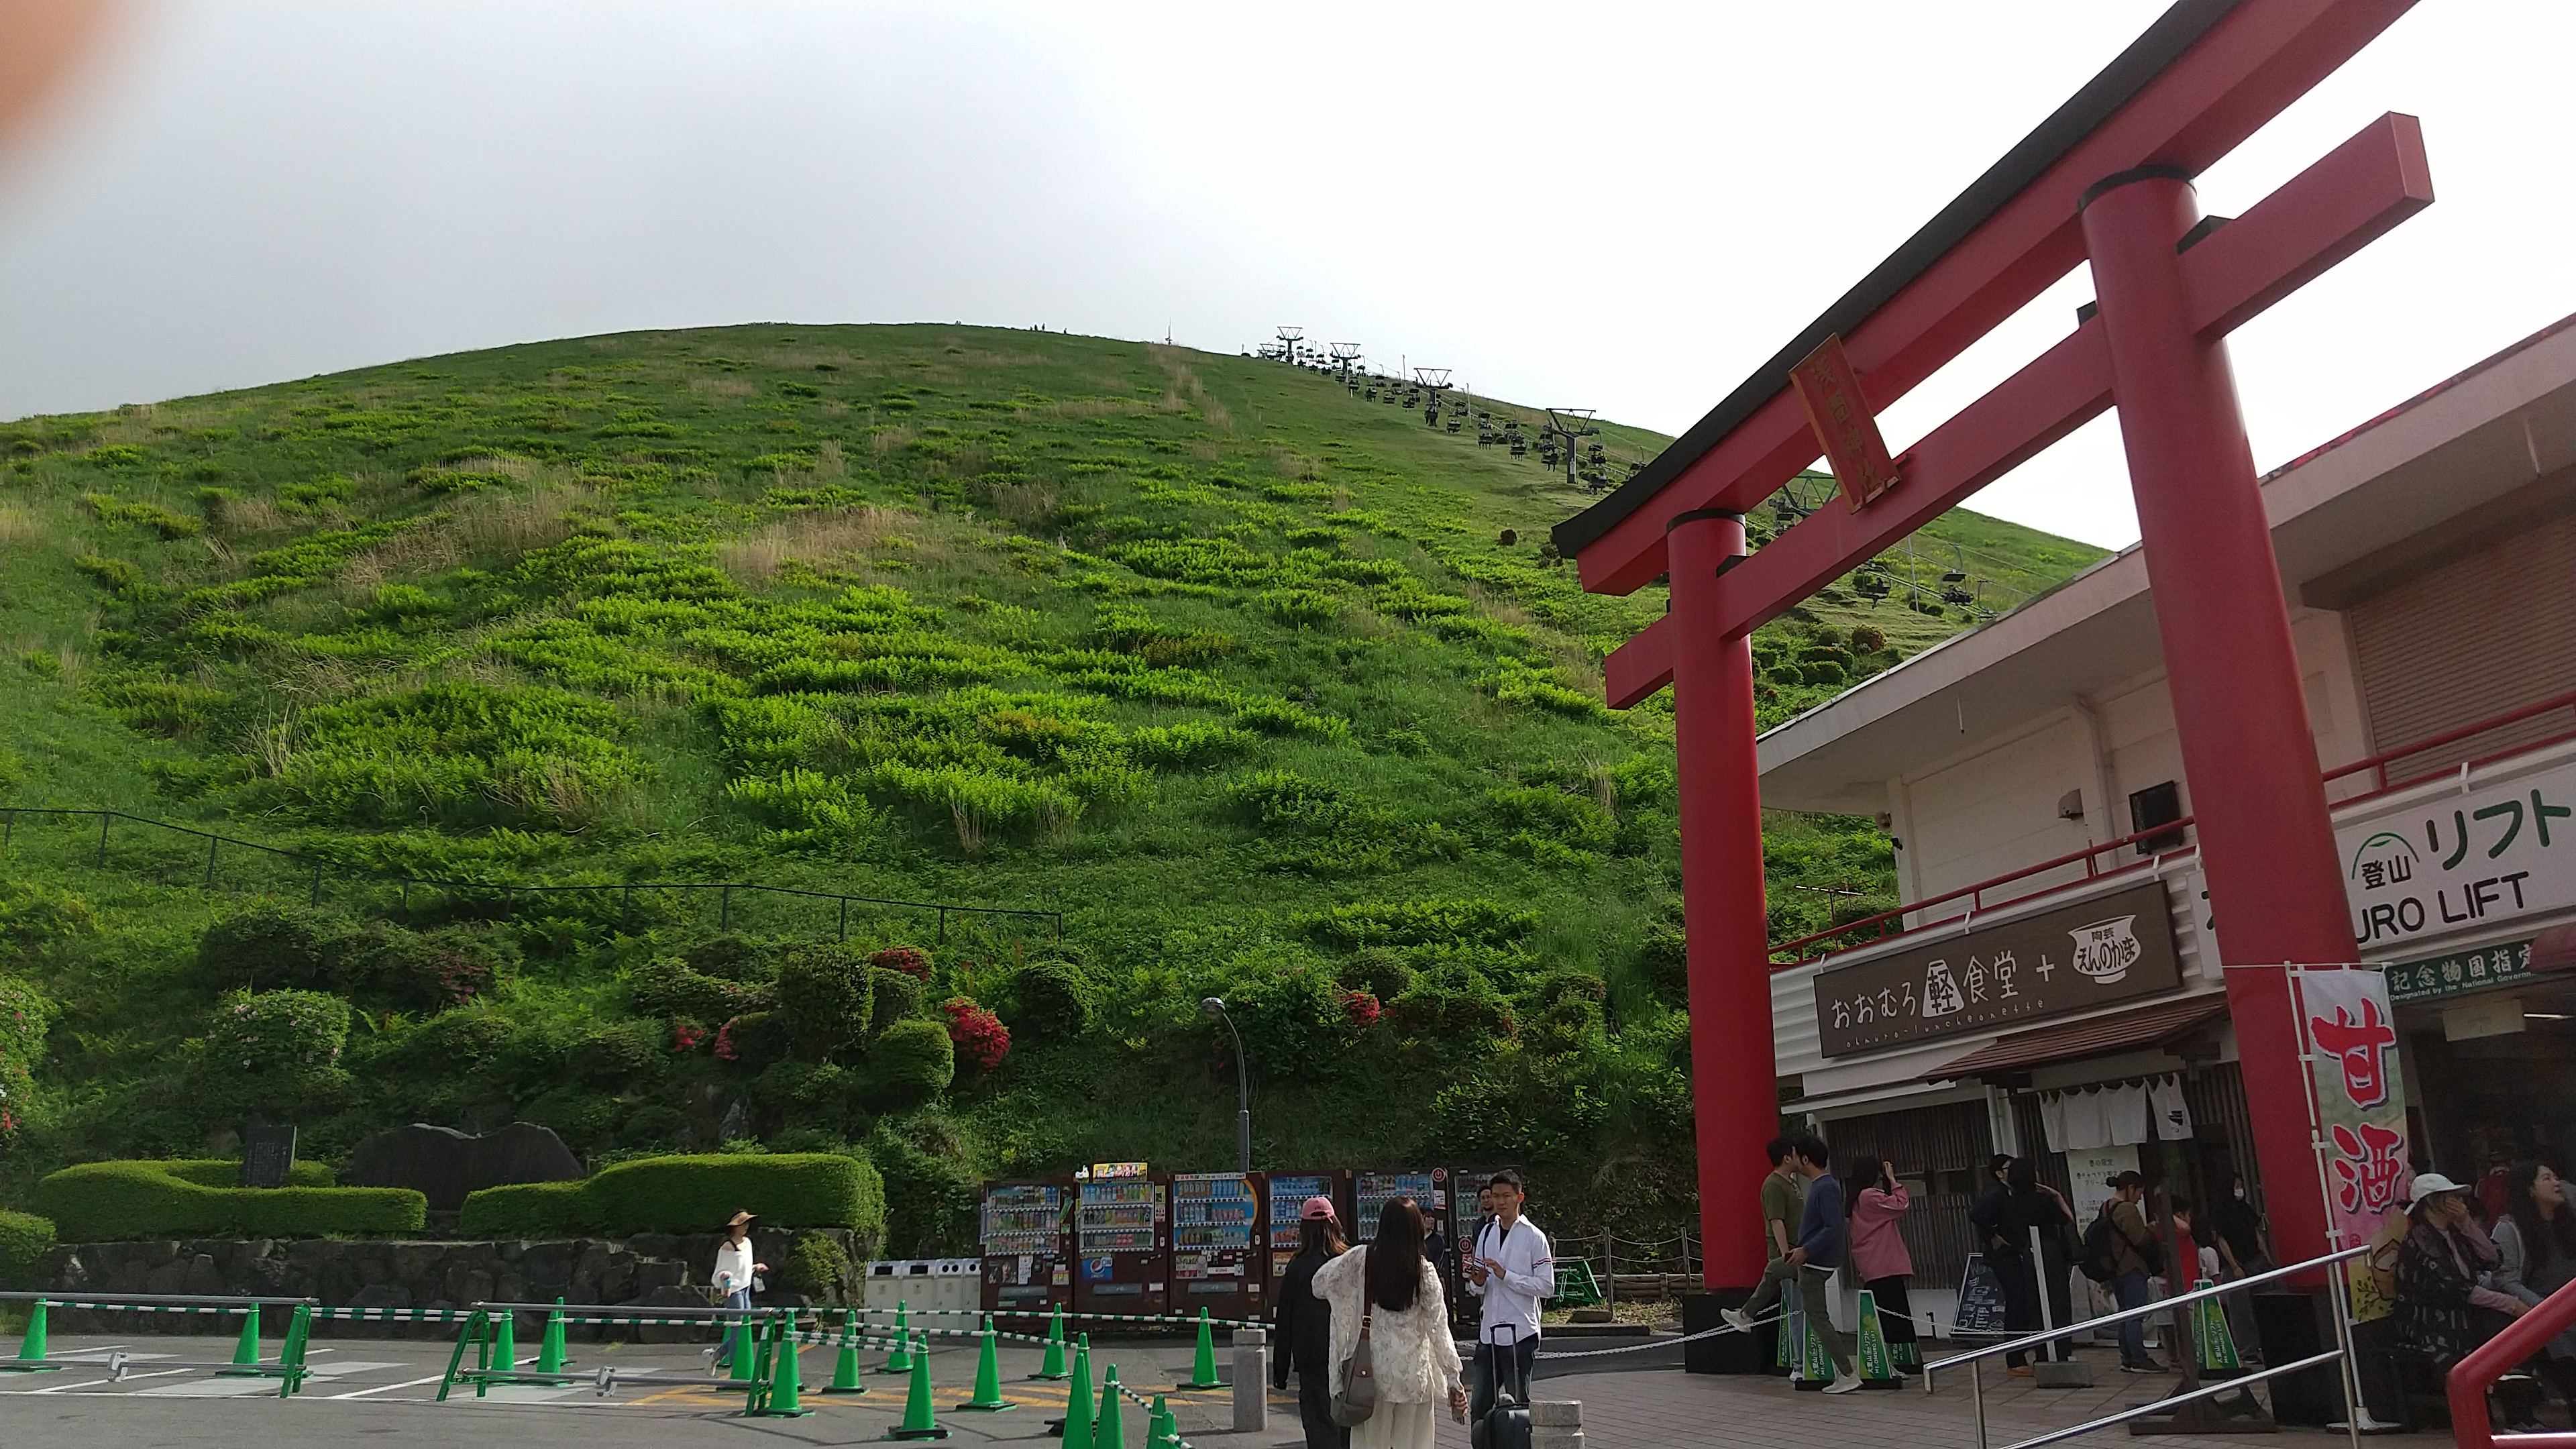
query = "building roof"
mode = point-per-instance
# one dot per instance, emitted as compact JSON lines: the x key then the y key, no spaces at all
{"x":2098,"y":1036}
{"x":2341,"y":515}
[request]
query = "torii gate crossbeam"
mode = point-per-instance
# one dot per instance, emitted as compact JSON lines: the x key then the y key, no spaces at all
{"x":2106,"y":183}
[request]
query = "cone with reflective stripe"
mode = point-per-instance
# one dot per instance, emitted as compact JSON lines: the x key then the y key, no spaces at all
{"x":550,"y":1349}
{"x":786,"y":1378}
{"x":1108,"y":1430}
{"x":1077,"y":1399}
{"x":845,"y":1370}
{"x":1876,"y":1366}
{"x":1160,"y":1428}
{"x":899,"y":1357}
{"x":1203,"y":1365}
{"x":31,"y":1349}
{"x":920,"y":1419}
{"x":1053,"y":1368}
{"x":505,"y":1341}
{"x":988,"y":1377}
{"x":245,"y":1352}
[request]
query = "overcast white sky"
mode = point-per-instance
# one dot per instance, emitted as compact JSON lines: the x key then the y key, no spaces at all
{"x":1595,"y":206}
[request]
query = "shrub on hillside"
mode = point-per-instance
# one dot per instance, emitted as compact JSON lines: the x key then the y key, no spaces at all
{"x":692,"y":1193}
{"x":1049,"y":1000}
{"x":1378,"y":971}
{"x":1477,"y":921}
{"x":978,"y":1035}
{"x":898,"y":997}
{"x":98,"y":1202}
{"x":754,"y":1039}
{"x":1663,"y":962}
{"x":826,"y":997}
{"x":26,"y":1248}
{"x":912,"y":1060}
{"x":933,"y":1192}
{"x":817,"y":1267}
{"x":1453,"y":1008}
{"x":667,"y":986}
{"x":1564,"y":1011}
{"x":274,"y":1052}
{"x":912,"y":961}
{"x":276,"y":945}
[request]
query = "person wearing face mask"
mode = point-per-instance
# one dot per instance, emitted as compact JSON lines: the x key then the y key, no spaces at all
{"x":2444,"y":1309}
{"x":2535,"y":1242}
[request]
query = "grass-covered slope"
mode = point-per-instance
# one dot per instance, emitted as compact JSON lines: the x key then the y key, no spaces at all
{"x":1269,"y":688}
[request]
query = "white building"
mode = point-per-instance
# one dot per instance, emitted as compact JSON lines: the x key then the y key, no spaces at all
{"x":2429,"y":557}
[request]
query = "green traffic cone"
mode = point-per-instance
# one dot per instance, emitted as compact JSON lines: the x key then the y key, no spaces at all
{"x":845,"y":1369}
{"x":1203,"y":1366}
{"x":31,"y":1349}
{"x":1053,"y":1368}
{"x":505,"y":1342}
{"x":1077,"y":1399}
{"x":899,"y":1357}
{"x":1160,"y":1428}
{"x":988,"y":1377}
{"x":786,"y":1378}
{"x":1108,"y":1431}
{"x":290,"y":1355}
{"x":550,"y":1348}
{"x":246,"y":1352}
{"x":920,"y":1419}
{"x":746,"y":1342}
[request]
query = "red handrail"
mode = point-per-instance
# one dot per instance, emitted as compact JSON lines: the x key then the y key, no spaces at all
{"x":2447,"y":737}
{"x":1975,"y":892}
{"x":2472,"y":1376}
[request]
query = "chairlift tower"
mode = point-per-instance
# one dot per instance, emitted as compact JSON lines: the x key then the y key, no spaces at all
{"x":1345,"y":355}
{"x":1434,"y":381}
{"x":1566,"y":425}
{"x":1288,"y":340}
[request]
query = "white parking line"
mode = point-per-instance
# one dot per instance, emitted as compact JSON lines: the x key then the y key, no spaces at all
{"x":129,"y":1378}
{"x":386,"y":1388}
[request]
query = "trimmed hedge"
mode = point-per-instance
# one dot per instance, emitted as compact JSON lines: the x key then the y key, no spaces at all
{"x":26,"y":1240}
{"x":98,"y":1202}
{"x":226,"y":1172}
{"x":687,"y":1194}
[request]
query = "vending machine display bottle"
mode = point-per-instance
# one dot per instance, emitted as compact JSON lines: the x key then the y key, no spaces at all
{"x":1428,"y":1187}
{"x":1028,"y":1246}
{"x":1287,"y":1193}
{"x":1123,"y":1246}
{"x":1219,"y":1261}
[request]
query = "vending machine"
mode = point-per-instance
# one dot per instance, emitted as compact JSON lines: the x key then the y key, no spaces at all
{"x":1286,"y":1193}
{"x":1122,"y":1239}
{"x":1428,"y":1186}
{"x":1220,"y":1258}
{"x":1028,"y":1245}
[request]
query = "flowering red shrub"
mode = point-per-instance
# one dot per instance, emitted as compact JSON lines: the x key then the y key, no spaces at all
{"x":912,"y":961}
{"x":725,"y":1049}
{"x":686,"y":1036}
{"x":978,"y":1034}
{"x":1362,"y":1007}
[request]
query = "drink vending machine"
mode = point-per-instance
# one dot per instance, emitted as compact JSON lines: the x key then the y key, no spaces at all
{"x":1220,"y":1260}
{"x":1028,"y":1244}
{"x":1286,"y":1193}
{"x":1428,"y":1187}
{"x":1122,"y":1239}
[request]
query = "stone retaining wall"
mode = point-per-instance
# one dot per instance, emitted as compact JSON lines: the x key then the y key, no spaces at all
{"x":645,"y":1271}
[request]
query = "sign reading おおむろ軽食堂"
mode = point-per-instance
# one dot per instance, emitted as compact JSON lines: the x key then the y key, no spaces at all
{"x":2458,"y":861}
{"x":2098,"y":952}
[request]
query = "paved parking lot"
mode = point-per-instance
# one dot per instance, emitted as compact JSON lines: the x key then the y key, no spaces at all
{"x":364,"y":1390}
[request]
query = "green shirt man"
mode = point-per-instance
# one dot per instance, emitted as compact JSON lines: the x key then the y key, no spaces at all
{"x":1784,"y":1201}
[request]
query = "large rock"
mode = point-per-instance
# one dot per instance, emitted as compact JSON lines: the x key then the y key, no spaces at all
{"x":445,"y":1164}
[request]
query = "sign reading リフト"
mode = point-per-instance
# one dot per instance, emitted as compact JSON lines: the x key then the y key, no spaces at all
{"x":2452,"y":862}
{"x":1830,"y":389}
{"x":2109,"y":949}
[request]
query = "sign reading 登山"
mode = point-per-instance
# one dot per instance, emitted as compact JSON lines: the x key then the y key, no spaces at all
{"x":2456,"y":862}
{"x":2097,"y":952}
{"x":2348,"y":1033}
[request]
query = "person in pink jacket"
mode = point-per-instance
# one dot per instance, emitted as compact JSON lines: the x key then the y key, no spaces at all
{"x":1877,"y":1200}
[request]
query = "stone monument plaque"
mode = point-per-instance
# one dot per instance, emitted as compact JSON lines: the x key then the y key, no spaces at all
{"x":268,"y":1156}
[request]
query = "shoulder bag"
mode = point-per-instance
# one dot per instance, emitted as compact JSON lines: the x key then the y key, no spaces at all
{"x":1356,"y":1399}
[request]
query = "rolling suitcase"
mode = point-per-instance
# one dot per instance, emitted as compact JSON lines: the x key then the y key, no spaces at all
{"x":1507,"y":1424}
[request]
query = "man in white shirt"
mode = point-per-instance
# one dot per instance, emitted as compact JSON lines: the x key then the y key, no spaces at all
{"x":1512,"y":1268}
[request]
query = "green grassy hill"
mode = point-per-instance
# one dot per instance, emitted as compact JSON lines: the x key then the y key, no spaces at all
{"x":1269,"y":689}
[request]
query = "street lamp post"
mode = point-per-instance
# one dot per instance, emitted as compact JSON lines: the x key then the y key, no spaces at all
{"x":1214,"y":1006}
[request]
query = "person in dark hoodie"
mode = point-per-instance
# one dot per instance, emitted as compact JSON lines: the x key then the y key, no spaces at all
{"x":1302,"y":1324}
{"x":1823,"y":1237}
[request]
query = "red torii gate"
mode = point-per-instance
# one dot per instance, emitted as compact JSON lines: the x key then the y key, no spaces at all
{"x":2105,"y":181}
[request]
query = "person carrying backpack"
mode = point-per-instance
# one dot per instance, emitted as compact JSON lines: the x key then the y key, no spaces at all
{"x":2122,"y":1246}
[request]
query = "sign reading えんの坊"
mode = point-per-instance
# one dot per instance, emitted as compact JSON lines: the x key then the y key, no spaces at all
{"x":2109,"y":949}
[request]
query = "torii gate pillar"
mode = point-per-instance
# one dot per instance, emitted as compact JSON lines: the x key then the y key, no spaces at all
{"x":1722,"y":903}
{"x":2266,"y":837}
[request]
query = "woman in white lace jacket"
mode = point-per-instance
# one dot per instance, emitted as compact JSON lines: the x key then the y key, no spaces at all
{"x":1416,"y":1362}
